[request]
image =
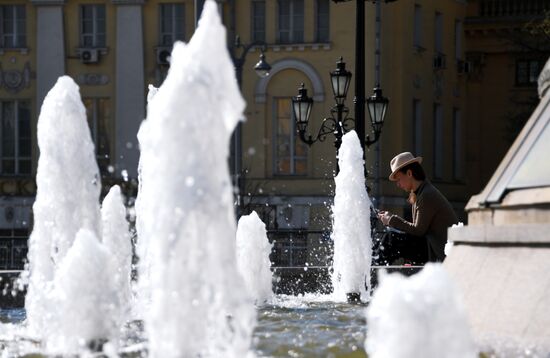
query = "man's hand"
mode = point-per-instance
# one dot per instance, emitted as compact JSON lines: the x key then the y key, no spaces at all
{"x":385,"y":217}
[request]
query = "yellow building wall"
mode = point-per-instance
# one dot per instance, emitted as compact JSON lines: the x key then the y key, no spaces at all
{"x":406,"y":74}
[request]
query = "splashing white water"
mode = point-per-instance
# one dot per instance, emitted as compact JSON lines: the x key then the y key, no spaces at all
{"x":253,"y":250}
{"x":116,"y":239}
{"x":419,"y":316}
{"x":199,"y":304}
{"x":72,"y":298}
{"x":351,"y":224}
{"x":67,"y":197}
{"x":85,"y":297}
{"x":143,"y":287}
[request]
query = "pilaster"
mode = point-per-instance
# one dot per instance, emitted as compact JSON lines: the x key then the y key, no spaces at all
{"x":130,"y":84}
{"x":50,"y":48}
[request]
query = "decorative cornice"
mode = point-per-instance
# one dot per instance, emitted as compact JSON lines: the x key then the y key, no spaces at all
{"x":48,"y":2}
{"x":544,"y":79}
{"x":128,"y":2}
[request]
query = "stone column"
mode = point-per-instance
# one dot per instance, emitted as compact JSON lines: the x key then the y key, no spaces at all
{"x":130,"y":84}
{"x":50,"y":46}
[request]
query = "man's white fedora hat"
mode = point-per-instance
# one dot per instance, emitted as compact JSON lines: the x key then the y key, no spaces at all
{"x":401,"y":160}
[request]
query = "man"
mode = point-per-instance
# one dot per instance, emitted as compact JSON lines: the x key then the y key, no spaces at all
{"x":431,"y":211}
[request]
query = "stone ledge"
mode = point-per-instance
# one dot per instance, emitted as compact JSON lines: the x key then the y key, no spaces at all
{"x":521,"y":234}
{"x":505,"y":292}
{"x":48,"y":2}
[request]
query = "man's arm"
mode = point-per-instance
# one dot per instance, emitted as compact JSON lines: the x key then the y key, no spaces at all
{"x":422,"y":221}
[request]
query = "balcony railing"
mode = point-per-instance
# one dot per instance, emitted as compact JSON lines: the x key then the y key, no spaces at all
{"x":512,"y":8}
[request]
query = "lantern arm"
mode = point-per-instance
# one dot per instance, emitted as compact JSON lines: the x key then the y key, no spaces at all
{"x":327,"y":127}
{"x":307,"y":139}
{"x":244,"y":49}
{"x":369,"y":142}
{"x":346,"y":123}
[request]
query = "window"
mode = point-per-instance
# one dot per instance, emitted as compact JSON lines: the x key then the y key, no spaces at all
{"x":290,"y":153}
{"x":527,"y":72}
{"x":291,"y":21}
{"x":322,"y":21}
{"x":457,"y":145}
{"x":438,"y":142}
{"x":98,"y":111}
{"x":92,"y":26}
{"x":417,"y":127}
{"x":12,"y":29}
{"x":458,"y":40}
{"x":289,"y":249}
{"x":417,"y":32}
{"x":172,"y":23}
{"x":438,"y":33}
{"x":13,"y":248}
{"x":15,"y":132}
{"x":258,"y":20}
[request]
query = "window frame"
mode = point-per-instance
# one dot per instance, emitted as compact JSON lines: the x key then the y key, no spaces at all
{"x":294,"y":36}
{"x":293,"y":141}
{"x":97,"y":32}
{"x":317,"y":21}
{"x":17,"y":157}
{"x":173,"y":34}
{"x":19,"y":38}
{"x":253,"y":21}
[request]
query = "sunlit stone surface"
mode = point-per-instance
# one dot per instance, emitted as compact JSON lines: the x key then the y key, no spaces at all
{"x":501,"y":261}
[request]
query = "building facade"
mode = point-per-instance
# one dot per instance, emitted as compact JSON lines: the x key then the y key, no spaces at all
{"x":507,"y":47}
{"x":115,"y":48}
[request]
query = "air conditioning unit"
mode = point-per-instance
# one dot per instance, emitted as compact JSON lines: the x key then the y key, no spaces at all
{"x":89,"y":55}
{"x":163,"y":55}
{"x":439,"y":61}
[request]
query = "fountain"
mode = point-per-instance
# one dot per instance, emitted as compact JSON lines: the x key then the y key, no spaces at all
{"x":351,"y":227}
{"x":73,"y":298}
{"x":193,"y":297}
{"x":418,"y":314}
{"x":253,"y":250}
{"x":191,"y":263}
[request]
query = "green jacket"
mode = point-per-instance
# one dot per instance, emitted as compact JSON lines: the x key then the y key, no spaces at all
{"x":432,"y":216}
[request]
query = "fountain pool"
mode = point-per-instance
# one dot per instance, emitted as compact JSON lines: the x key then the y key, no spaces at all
{"x":290,"y":326}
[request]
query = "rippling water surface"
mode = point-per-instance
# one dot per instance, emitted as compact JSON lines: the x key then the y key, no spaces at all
{"x":310,"y":327}
{"x":289,"y":326}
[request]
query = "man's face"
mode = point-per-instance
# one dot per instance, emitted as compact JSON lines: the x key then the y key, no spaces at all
{"x":404,"y":180}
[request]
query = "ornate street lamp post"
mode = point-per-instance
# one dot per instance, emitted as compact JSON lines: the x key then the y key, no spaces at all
{"x":360,"y":73}
{"x":338,"y":123}
{"x":262,"y":69}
